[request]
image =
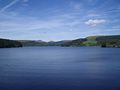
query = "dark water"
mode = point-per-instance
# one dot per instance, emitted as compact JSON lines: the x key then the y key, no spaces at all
{"x":60,"y":68}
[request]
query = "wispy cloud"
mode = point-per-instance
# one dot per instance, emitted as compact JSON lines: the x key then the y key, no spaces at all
{"x":69,"y":19}
{"x":25,"y":0}
{"x":9,"y":5}
{"x":93,"y":15}
{"x":76,"y":6}
{"x":31,"y":23}
{"x":95,"y":22}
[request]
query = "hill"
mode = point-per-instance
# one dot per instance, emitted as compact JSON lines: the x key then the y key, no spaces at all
{"x":32,"y":43}
{"x":109,"y":41}
{"x":6,"y":43}
{"x":103,"y":41}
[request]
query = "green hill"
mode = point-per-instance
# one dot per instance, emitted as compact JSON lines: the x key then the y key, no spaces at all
{"x":103,"y":41}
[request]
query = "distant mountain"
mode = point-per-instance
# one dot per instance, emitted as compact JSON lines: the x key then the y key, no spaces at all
{"x":6,"y":43}
{"x":33,"y":42}
{"x":77,"y":42}
{"x":58,"y":43}
{"x":42,"y":43}
{"x":103,"y":41}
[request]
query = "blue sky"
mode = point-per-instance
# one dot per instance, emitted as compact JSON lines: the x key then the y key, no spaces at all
{"x":58,"y":19}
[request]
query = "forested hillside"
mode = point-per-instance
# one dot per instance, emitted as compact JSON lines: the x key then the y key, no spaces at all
{"x":6,"y":43}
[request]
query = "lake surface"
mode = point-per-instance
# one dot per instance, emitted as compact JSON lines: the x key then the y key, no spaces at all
{"x":60,"y":68}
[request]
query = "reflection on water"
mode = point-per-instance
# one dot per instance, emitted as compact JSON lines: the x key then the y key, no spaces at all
{"x":60,"y":68}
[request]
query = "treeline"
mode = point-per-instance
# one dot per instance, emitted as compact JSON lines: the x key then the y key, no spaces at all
{"x":6,"y":43}
{"x":103,"y":41}
{"x":32,"y":43}
{"x":109,"y":41}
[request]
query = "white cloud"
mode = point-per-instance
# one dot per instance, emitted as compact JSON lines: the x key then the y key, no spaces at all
{"x":8,"y":5}
{"x":95,"y":22}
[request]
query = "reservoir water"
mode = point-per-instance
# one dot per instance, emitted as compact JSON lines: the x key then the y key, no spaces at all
{"x":60,"y":68}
